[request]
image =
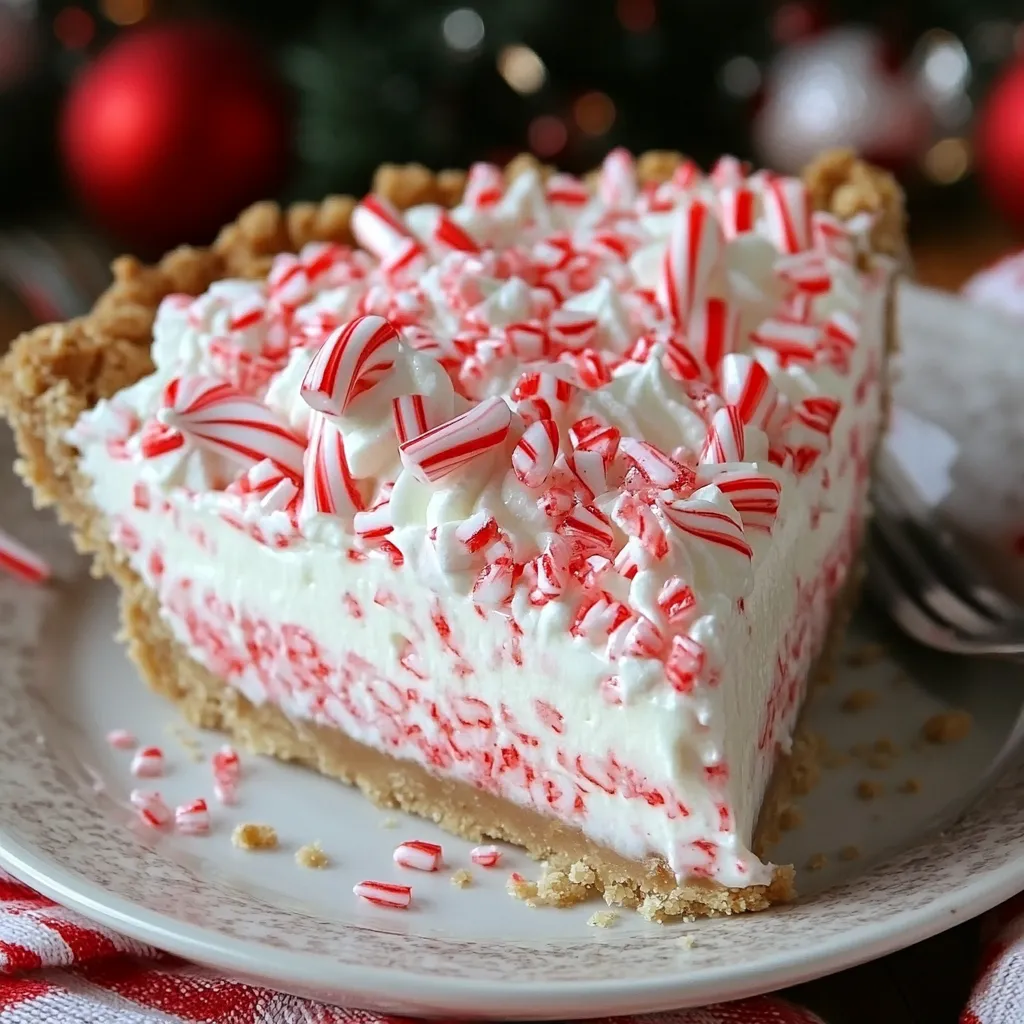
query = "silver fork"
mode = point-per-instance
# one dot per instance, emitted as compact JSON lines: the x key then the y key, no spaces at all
{"x":923,"y":581}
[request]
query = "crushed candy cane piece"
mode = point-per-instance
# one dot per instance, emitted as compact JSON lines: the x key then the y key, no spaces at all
{"x":148,"y":763}
{"x":384,"y":894}
{"x":418,"y":855}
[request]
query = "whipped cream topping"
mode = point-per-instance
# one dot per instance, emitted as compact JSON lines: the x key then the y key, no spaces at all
{"x":601,"y":419}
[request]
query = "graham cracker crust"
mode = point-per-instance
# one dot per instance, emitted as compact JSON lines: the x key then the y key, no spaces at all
{"x":55,"y":372}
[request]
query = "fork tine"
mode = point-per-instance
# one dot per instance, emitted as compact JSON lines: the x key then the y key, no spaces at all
{"x":900,"y":601}
{"x":935,"y":594}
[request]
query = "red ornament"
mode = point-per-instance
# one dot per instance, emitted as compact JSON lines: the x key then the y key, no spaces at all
{"x":173,"y":130}
{"x":1000,"y":143}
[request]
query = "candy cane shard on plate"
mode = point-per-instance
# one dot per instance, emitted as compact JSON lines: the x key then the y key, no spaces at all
{"x":419,"y":855}
{"x":193,"y":818}
{"x":354,"y":359}
{"x":328,"y":484}
{"x":384,"y":894}
{"x":457,"y":443}
{"x":694,"y":249}
{"x":20,"y":562}
{"x":150,"y":807}
{"x":222,"y":419}
{"x":485,"y":856}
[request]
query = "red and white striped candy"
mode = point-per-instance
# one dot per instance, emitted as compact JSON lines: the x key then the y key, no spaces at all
{"x":552,"y":576}
{"x":148,"y":763}
{"x":219,"y":417}
{"x":657,"y":468}
{"x":378,"y":227}
{"x":410,"y":416}
{"x":787,"y":211}
{"x":643,"y":639}
{"x":636,"y":518}
{"x":485,"y":856}
{"x":694,"y":248}
{"x":193,"y":818}
{"x":591,"y":435}
{"x":328,"y":484}
{"x":806,"y":271}
{"x":418,"y":855}
{"x":447,"y":448}
{"x":729,"y":172}
{"x":840,"y":333}
{"x":616,"y":183}
{"x":686,"y":175}
{"x":563,"y":190}
{"x":685,"y":663}
{"x":755,"y":496}
{"x":16,"y":559}
{"x":713,"y":332}
{"x":485,"y":185}
{"x":528,"y":340}
{"x":534,"y":455}
{"x":590,"y":366}
{"x":738,"y":206}
{"x":630,"y":559}
{"x":572,"y":328}
{"x":832,"y":236}
{"x":677,"y":601}
{"x":547,"y":395}
{"x":287,"y":282}
{"x":493,"y":586}
{"x":121,"y":739}
{"x":451,"y":236}
{"x":227,"y":765}
{"x":726,"y":440}
{"x":226,"y":792}
{"x":588,"y":467}
{"x":794,"y":343}
{"x":598,"y":617}
{"x":588,"y":529}
{"x":151,"y":807}
{"x":384,"y":894}
{"x":374,"y":524}
{"x":705,"y":521}
{"x":353,"y":360}
{"x":748,"y":388}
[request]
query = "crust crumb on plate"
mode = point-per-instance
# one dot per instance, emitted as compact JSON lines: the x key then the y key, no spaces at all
{"x":866,"y":654}
{"x":250,"y":836}
{"x":947,"y":727}
{"x":602,"y":919}
{"x":869,"y":789}
{"x":849,"y":853}
{"x":859,"y":700}
{"x":910,"y":786}
{"x":816,"y":861}
{"x":311,"y":856}
{"x":462,"y":879}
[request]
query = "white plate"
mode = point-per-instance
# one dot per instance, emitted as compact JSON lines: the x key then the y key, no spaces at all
{"x":66,"y":829}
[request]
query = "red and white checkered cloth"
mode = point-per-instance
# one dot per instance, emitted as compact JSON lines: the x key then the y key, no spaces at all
{"x":57,"y":967}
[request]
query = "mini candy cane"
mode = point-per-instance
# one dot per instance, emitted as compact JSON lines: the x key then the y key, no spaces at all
{"x":219,"y":417}
{"x":787,"y":210}
{"x":227,"y":765}
{"x":485,"y":856}
{"x":353,"y":360}
{"x":449,"y":235}
{"x":121,"y":739}
{"x":378,"y":227}
{"x":755,"y":496}
{"x":485,"y":185}
{"x":433,"y":455}
{"x":329,"y":486}
{"x":148,"y":763}
{"x":694,"y":248}
{"x":418,"y":855}
{"x":793,"y":343}
{"x":657,"y":468}
{"x":384,"y":894}
{"x":410,"y":416}
{"x":16,"y":559}
{"x":151,"y":807}
{"x":193,"y":818}
{"x":616,"y":183}
{"x":725,"y":440}
{"x":713,"y":332}
{"x":534,"y":455}
{"x":748,"y":388}
{"x":737,"y":207}
{"x":705,"y":521}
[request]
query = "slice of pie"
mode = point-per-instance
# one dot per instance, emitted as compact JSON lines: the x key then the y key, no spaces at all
{"x":524,"y":503}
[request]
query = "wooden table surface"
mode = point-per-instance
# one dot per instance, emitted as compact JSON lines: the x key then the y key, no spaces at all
{"x":927,"y":983}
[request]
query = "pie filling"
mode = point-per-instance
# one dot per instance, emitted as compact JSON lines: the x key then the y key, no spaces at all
{"x":551,"y":493}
